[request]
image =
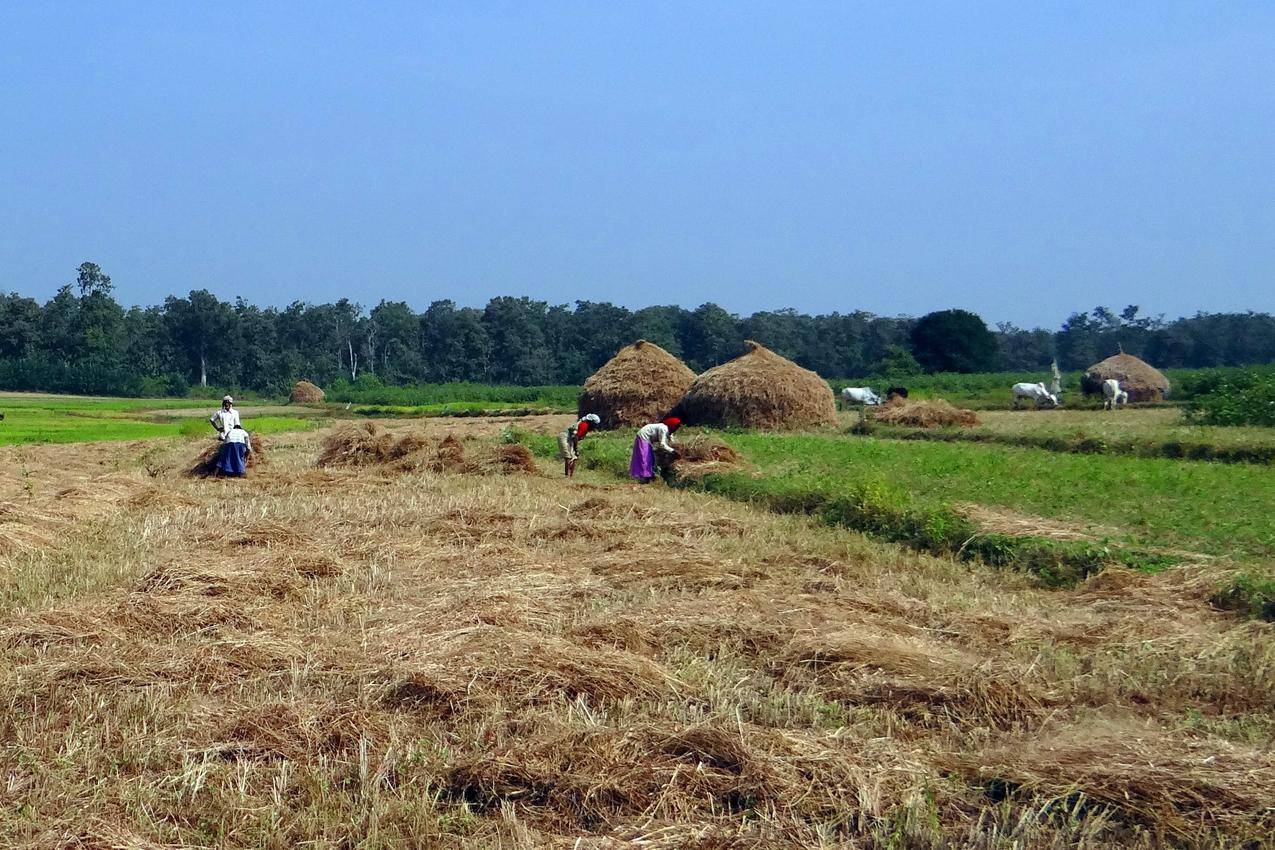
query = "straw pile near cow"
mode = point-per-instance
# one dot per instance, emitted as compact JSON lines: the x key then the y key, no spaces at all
{"x":1141,"y":380}
{"x":640,"y":384}
{"x":368,"y":444}
{"x":758,"y":389}
{"x":304,"y":392}
{"x":924,"y":413}
{"x":205,"y":465}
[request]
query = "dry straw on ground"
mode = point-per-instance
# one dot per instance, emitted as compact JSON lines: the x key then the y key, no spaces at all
{"x":304,"y":392}
{"x":640,"y":384}
{"x":923,"y":413}
{"x":368,"y":444}
{"x":1141,"y":380}
{"x":758,"y":389}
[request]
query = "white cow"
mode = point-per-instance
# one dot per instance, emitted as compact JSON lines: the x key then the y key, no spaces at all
{"x":859,"y":395}
{"x":1112,"y":395}
{"x":1035,"y":392}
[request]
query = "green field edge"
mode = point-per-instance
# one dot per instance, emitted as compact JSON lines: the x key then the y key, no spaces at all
{"x":1081,"y":444}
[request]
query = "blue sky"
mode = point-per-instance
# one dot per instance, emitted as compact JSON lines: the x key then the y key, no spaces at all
{"x":1018,"y":159}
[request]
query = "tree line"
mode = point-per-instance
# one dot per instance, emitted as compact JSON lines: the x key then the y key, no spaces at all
{"x":83,"y":340}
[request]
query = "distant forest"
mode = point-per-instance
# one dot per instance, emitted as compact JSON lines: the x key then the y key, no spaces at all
{"x":83,"y":340}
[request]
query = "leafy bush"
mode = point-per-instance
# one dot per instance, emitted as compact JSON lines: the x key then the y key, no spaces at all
{"x":1243,"y":398}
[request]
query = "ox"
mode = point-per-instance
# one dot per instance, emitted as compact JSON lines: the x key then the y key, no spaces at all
{"x":895,"y":392}
{"x":859,"y":395}
{"x":1035,"y":392}
{"x":1112,"y":395}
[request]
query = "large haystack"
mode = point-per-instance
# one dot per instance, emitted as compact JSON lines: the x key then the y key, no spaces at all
{"x":640,"y":384}
{"x":1140,"y":379}
{"x":306,"y":393}
{"x":759,"y":389}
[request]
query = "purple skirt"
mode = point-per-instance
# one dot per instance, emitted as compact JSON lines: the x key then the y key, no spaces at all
{"x":643,"y":463}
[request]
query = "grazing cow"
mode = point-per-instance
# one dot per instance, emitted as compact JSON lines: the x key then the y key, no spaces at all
{"x":859,"y":395}
{"x":896,"y":392}
{"x":1035,"y":392}
{"x":1112,"y":395}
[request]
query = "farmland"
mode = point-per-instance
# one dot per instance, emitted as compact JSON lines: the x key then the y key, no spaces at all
{"x":373,"y":657}
{"x":34,"y":418}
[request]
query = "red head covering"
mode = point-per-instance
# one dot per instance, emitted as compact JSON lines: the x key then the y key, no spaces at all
{"x":673,"y":423}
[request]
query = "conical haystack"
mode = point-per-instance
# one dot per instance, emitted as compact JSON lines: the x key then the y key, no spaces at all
{"x":306,"y":393}
{"x":1141,"y":380}
{"x":759,"y":389}
{"x":640,"y":384}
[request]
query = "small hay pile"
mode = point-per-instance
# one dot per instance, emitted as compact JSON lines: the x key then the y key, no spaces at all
{"x":1141,"y":380}
{"x":368,"y":444}
{"x":640,"y":384}
{"x":704,"y":455}
{"x":205,"y":465}
{"x":928,"y":413}
{"x":758,"y":389}
{"x":306,"y":393}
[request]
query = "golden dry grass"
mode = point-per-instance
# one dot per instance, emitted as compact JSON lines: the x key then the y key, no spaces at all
{"x":336,"y":657}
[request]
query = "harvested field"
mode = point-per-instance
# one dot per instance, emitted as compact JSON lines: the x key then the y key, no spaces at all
{"x":342,"y":657}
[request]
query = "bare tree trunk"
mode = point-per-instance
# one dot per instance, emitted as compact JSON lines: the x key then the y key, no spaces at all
{"x":354,"y":361}
{"x":203,"y":368}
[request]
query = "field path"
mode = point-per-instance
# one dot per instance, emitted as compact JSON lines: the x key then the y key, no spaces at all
{"x":357,"y":658}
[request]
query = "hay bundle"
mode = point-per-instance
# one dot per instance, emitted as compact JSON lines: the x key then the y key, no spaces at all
{"x":640,"y":384}
{"x":930,"y":413}
{"x":205,"y":465}
{"x":703,"y":455}
{"x":368,"y":444}
{"x":1141,"y":380}
{"x":759,"y":389}
{"x":305,"y":392}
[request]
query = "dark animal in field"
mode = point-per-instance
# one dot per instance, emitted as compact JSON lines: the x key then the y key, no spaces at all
{"x":896,"y":392}
{"x":1,"y":415}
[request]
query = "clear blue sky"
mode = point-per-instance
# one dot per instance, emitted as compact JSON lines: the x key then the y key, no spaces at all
{"x":1018,"y":159}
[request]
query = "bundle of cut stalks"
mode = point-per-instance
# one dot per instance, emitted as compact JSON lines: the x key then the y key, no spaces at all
{"x":704,"y":455}
{"x":368,"y":444}
{"x":928,"y":413}
{"x":205,"y":465}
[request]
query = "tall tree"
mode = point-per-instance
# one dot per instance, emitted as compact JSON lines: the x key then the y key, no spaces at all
{"x":200,"y":326}
{"x":953,"y":341}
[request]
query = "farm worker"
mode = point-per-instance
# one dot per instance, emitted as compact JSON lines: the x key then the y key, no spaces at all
{"x":650,"y":437}
{"x":226,"y":419}
{"x":232,"y":457}
{"x":569,"y":441}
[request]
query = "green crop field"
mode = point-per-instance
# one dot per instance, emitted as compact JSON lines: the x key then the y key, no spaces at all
{"x":31,"y":418}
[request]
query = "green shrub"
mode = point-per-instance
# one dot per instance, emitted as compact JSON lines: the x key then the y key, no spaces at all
{"x":1245,"y":398}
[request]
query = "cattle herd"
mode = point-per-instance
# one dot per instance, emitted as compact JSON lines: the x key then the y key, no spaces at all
{"x":1040,"y":395}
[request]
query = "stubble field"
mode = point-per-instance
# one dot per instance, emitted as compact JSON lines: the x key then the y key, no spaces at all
{"x":364,"y":657}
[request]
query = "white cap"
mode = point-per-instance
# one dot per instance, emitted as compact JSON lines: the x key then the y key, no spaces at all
{"x":593,"y":418}
{"x":228,"y":398}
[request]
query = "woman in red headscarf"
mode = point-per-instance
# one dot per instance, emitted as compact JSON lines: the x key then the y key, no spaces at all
{"x":648,"y":439}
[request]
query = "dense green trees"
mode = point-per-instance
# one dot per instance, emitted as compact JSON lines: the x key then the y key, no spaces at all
{"x":83,"y":340}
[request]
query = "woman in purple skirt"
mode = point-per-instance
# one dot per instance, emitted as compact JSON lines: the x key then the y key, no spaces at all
{"x":649,"y":437}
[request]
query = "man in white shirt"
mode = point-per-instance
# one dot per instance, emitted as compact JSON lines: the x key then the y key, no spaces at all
{"x":225,"y":419}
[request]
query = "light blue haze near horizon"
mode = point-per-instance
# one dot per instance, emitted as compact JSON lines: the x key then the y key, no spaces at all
{"x":1022,"y":160}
